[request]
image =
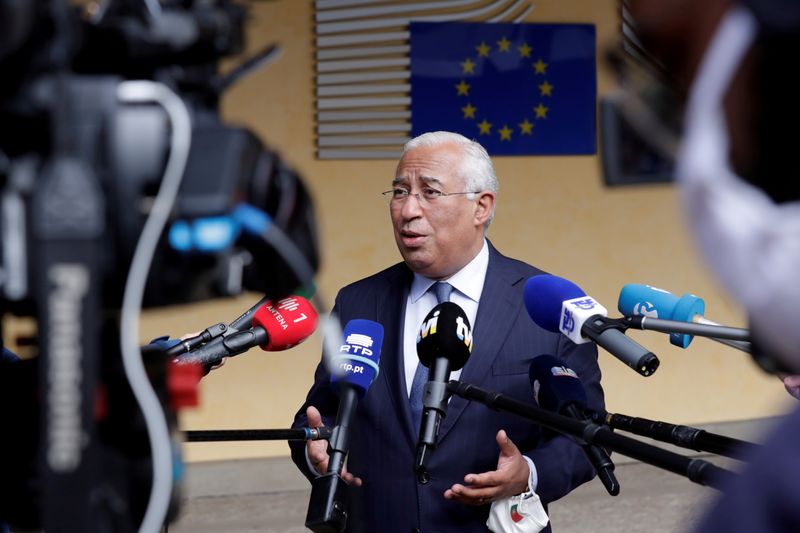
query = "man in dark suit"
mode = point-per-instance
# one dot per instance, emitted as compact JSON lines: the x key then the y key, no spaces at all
{"x":441,"y":202}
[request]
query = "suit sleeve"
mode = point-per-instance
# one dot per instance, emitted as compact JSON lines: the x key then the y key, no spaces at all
{"x":322,"y":396}
{"x":561,"y":464}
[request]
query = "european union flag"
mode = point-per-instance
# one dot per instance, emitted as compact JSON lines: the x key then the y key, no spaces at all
{"x":518,"y":89}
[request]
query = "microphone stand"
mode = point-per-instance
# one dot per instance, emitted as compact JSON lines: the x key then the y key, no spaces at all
{"x":327,"y":505}
{"x":683,"y":436}
{"x":228,"y":435}
{"x":687,"y":328}
{"x":697,"y":470}
{"x":211,"y":335}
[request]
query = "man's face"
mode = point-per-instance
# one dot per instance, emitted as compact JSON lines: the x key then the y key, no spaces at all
{"x":438,"y":237}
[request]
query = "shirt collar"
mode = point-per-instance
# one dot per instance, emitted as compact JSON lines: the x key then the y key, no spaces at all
{"x":468,"y":281}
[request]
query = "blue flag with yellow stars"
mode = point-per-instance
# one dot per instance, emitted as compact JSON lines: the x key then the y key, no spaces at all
{"x":518,"y":89}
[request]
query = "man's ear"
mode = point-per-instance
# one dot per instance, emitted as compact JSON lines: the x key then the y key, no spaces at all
{"x":484,"y":206}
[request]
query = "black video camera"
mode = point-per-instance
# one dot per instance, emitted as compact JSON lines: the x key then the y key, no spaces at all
{"x":109,"y":120}
{"x":79,"y":163}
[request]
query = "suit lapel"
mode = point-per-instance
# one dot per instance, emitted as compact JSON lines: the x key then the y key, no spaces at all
{"x":391,"y":306}
{"x":497,"y":311}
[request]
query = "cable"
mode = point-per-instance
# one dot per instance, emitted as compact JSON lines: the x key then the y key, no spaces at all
{"x":256,"y":221}
{"x":157,"y":430}
{"x":330,"y":325}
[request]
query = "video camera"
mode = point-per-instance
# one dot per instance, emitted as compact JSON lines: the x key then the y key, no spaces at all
{"x":117,"y":172}
{"x":77,"y":163}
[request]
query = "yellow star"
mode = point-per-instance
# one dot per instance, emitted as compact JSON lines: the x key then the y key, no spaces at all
{"x":483,"y":50}
{"x":485,"y":127}
{"x":524,"y":50}
{"x":469,"y":111}
{"x":540,"y":67}
{"x":468,"y":67}
{"x":541,"y":111}
{"x":546,"y":89}
{"x":505,"y":133}
{"x":504,"y":45}
{"x":462,"y":88}
{"x":526,"y":127}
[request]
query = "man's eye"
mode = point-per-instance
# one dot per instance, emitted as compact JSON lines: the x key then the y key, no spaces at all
{"x":399,"y":193}
{"x":430,"y":192}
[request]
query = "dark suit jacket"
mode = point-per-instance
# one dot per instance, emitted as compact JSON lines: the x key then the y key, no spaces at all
{"x":383,"y":441}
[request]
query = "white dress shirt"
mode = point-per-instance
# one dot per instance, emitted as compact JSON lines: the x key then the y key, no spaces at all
{"x":467,"y":287}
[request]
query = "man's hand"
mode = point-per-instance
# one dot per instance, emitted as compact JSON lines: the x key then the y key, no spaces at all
{"x":511,"y":477}
{"x":317,"y":450}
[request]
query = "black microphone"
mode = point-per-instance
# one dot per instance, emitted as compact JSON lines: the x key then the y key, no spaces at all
{"x":352,"y":372}
{"x":443,"y":345}
{"x":557,"y":388}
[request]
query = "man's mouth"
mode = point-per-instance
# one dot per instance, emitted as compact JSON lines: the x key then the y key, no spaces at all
{"x":411,"y":238}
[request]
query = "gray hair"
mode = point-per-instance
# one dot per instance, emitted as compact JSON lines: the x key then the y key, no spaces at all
{"x":476,"y":167}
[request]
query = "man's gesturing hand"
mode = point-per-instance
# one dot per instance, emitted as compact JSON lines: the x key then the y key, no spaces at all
{"x":317,"y":450}
{"x":511,"y":477}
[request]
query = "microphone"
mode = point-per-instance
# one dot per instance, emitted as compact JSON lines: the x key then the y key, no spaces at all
{"x":557,"y":388}
{"x":444,"y":344}
{"x":652,"y":302}
{"x":557,"y":304}
{"x":354,"y":370}
{"x":276,"y":327}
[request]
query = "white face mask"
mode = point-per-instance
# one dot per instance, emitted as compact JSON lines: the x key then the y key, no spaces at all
{"x":750,"y":243}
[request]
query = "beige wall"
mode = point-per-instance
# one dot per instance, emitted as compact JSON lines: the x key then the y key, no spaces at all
{"x":553,"y":212}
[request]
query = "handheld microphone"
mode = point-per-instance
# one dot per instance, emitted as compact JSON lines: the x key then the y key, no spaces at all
{"x":276,"y":327}
{"x":444,"y":344}
{"x":557,"y":304}
{"x":355,"y":368}
{"x":652,"y":302}
{"x":557,"y":388}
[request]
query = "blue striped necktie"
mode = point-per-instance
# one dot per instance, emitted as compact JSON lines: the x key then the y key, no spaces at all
{"x":442,"y":291}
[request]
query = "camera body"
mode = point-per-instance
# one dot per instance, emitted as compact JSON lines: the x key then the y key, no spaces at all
{"x":80,"y":168}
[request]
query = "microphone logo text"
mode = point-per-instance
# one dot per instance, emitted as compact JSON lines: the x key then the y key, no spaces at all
{"x":563,"y":371}
{"x":463,"y":333}
{"x":567,"y":321}
{"x":645,"y":309}
{"x":357,"y":344}
{"x":585,"y":304}
{"x":429,"y":327}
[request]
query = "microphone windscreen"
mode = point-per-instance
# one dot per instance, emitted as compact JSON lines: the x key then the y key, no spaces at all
{"x":359,"y":356}
{"x":644,"y":300}
{"x":555,"y":385}
{"x":288,"y":322}
{"x":544,"y":295}
{"x":445,"y":332}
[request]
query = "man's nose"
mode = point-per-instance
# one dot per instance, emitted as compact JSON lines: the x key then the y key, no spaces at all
{"x":412,"y":207}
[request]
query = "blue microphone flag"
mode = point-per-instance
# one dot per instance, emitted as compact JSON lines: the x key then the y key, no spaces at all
{"x":359,"y":355}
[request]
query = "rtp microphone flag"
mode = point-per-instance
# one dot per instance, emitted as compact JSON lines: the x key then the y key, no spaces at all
{"x":518,"y":89}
